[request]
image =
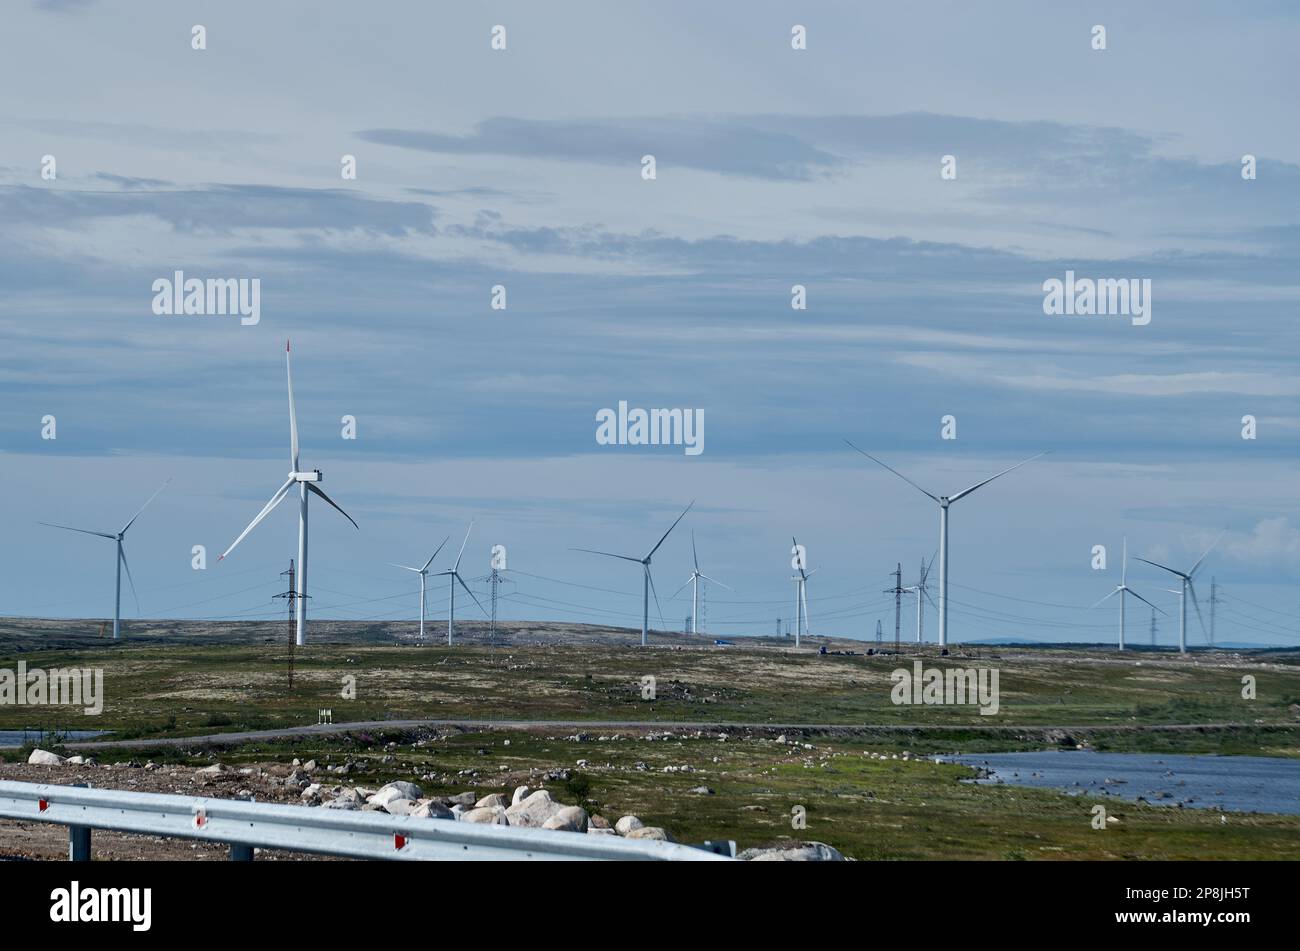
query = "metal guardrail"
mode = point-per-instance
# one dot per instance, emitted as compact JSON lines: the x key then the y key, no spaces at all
{"x":316,"y":830}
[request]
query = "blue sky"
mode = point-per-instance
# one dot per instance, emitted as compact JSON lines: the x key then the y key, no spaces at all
{"x":775,"y":167}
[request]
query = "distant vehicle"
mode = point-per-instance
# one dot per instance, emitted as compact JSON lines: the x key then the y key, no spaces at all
{"x":822,"y":649}
{"x":722,"y":643}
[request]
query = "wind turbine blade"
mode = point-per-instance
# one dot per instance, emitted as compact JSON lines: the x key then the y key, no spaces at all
{"x":1113,"y":591}
{"x":813,"y":572}
{"x":1123,"y":565}
{"x":463,"y":544}
{"x":129,"y":580}
{"x":695,"y":556}
{"x":803,"y":596}
{"x":84,"y":531}
{"x":313,"y":487}
{"x":977,"y":485}
{"x":1139,"y":597}
{"x":266,"y":510}
{"x":435,"y":554}
{"x":1172,"y":571}
{"x":608,"y":554}
{"x":393,"y":564}
{"x":662,"y":625}
{"x":293,"y":413}
{"x":684,"y":584}
{"x":894,"y":471}
{"x":1202,"y":558}
{"x":469,"y":592}
{"x":143,"y":507}
{"x":670,"y":529}
{"x":712,"y":581}
{"x":1191,"y":589}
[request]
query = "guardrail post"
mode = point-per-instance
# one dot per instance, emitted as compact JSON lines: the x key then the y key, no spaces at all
{"x":240,"y":853}
{"x":78,"y":843}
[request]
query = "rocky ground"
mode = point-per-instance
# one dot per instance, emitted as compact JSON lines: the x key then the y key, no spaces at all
{"x":315,"y":785}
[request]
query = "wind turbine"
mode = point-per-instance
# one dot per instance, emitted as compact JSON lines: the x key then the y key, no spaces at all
{"x":801,"y":588}
{"x":647,"y":583}
{"x":922,"y":591}
{"x":121,"y":560}
{"x":423,"y":573}
{"x":307,"y":482}
{"x":453,"y":576}
{"x":694,"y":582}
{"x":945,"y":501}
{"x":1186,"y":588}
{"x":1122,"y":589}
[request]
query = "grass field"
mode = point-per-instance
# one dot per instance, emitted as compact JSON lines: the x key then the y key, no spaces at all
{"x":867,"y":807}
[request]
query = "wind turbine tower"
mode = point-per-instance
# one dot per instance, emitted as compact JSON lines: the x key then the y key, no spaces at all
{"x":423,"y":572}
{"x":1183,"y":591}
{"x":308,"y":483}
{"x":944,"y":501}
{"x":647,"y":582}
{"x":1123,"y":589}
{"x":120,"y":559}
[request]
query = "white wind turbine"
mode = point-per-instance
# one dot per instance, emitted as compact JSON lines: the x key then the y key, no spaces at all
{"x":801,"y":589}
{"x":1122,"y":589}
{"x":307,"y":483}
{"x":922,"y":590}
{"x":121,"y":560}
{"x":453,"y":576}
{"x":945,"y":501}
{"x":694,"y":581}
{"x":1186,"y":588}
{"x":424,"y":574}
{"x":647,"y":583}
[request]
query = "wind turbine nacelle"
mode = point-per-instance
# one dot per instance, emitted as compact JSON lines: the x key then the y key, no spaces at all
{"x":313,"y":476}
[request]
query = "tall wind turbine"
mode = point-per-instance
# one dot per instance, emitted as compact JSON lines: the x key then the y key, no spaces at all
{"x":307,"y":482}
{"x":452,"y":575}
{"x":121,"y":560}
{"x":801,"y":589}
{"x":424,"y":574}
{"x":647,"y":583}
{"x":1186,"y":588}
{"x":1122,"y":589}
{"x":945,"y":501}
{"x":694,"y":582}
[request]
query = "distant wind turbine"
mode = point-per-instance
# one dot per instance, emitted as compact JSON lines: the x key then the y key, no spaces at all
{"x":1122,"y":589}
{"x":694,"y":582}
{"x":801,"y":590}
{"x":945,"y":501}
{"x":121,"y":560}
{"x":423,"y":573}
{"x":1186,"y":588}
{"x":307,"y":482}
{"x":922,"y":590}
{"x":647,"y":583}
{"x":452,"y":575}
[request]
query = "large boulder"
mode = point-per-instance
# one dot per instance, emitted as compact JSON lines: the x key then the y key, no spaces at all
{"x":465,"y":799}
{"x":533,"y":811}
{"x":405,"y":789}
{"x":492,"y":801}
{"x":795,"y":852}
{"x":348,"y":805}
{"x":627,"y":824}
{"x":651,"y":832}
{"x":520,"y":794}
{"x":45,"y":758}
{"x":400,"y":807}
{"x":568,"y":819}
{"x":487,"y":815}
{"x":431,"y":809}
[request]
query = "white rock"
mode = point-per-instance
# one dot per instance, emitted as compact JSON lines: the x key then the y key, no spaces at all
{"x":520,"y":794}
{"x":799,"y":852}
{"x":492,"y":801}
{"x":400,"y":807}
{"x":428,"y":809}
{"x":628,"y":824}
{"x":487,"y":815}
{"x":349,"y":805}
{"x":650,"y":832}
{"x":568,"y":819}
{"x":534,"y":810}
{"x":408,"y":790}
{"x":45,"y":758}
